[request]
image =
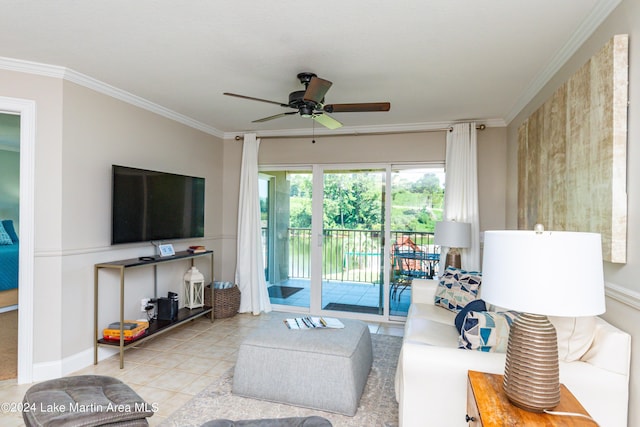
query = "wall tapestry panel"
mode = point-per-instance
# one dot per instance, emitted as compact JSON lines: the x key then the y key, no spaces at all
{"x":572,"y":154}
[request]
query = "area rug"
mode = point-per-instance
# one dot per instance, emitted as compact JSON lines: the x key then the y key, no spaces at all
{"x":282,"y":291}
{"x":378,"y":406}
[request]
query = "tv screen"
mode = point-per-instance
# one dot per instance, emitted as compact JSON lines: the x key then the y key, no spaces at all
{"x":150,"y":205}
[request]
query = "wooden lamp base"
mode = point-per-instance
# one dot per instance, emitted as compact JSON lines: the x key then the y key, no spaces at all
{"x":453,"y":258}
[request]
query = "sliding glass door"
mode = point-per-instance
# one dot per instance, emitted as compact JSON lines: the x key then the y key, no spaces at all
{"x":417,"y":198}
{"x":354,"y":249}
{"x":353,"y":241}
{"x":285,"y":203}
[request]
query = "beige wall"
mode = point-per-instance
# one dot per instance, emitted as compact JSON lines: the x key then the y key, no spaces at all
{"x":393,"y":148}
{"x":47,"y":93}
{"x":623,"y":302}
{"x":99,"y":131}
{"x":80,"y":134}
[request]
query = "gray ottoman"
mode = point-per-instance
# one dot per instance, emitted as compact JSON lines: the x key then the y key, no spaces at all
{"x":85,"y":400}
{"x":323,"y":369}
{"x":272,"y":422}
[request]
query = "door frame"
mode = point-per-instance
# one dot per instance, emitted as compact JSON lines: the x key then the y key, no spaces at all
{"x":26,"y":109}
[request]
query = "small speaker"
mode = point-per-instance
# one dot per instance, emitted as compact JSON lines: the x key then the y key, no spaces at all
{"x":168,"y":307}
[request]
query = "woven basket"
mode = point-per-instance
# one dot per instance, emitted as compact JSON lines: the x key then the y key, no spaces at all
{"x":226,"y":302}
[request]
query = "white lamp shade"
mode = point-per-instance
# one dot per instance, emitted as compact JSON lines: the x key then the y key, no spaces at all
{"x":554,"y":273}
{"x":452,"y":234}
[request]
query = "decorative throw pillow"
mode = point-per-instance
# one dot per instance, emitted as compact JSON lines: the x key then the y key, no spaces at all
{"x":5,"y":239}
{"x":11,"y":231}
{"x":457,"y":288}
{"x":475,"y":305}
{"x":486,"y":331}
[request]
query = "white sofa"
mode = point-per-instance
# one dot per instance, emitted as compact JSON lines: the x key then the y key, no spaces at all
{"x":431,"y":378}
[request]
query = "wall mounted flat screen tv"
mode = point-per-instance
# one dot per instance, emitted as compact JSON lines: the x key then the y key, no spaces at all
{"x":152,"y":206}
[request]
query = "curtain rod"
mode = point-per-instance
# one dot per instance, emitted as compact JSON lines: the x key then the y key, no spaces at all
{"x":450,"y":129}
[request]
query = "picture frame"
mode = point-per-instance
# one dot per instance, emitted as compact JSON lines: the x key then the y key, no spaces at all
{"x":166,"y":250}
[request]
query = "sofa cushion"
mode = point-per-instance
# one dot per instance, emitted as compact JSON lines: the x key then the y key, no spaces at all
{"x":431,"y":312}
{"x":457,"y":288}
{"x":475,"y":305}
{"x":575,"y":336}
{"x":487,"y":331}
{"x":430,"y":332}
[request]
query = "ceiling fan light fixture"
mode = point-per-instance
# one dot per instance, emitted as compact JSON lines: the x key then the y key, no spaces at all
{"x":309,"y":103}
{"x":306,"y":111}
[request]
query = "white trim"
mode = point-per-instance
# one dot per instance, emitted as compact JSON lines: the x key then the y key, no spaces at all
{"x":104,"y":88}
{"x":624,"y":295}
{"x":27,"y":111}
{"x":584,"y":31}
{"x":56,"y":71}
{"x":56,"y":368}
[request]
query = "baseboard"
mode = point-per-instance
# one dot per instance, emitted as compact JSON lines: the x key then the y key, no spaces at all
{"x":56,"y":369}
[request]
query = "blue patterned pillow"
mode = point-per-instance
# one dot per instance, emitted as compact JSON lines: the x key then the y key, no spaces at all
{"x":475,"y":305}
{"x":486,"y":331}
{"x":5,"y":239}
{"x":457,"y":288}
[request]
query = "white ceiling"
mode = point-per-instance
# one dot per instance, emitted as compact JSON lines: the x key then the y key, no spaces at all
{"x":436,"y":61}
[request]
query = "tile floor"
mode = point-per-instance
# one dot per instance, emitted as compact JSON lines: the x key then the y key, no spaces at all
{"x":172,"y":368}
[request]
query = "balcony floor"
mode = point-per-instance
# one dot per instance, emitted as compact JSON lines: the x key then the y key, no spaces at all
{"x":350,"y":296}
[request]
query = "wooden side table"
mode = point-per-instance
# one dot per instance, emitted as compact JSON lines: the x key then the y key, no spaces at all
{"x":488,"y":406}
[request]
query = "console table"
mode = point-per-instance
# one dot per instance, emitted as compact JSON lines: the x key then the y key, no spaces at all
{"x":157,"y":326}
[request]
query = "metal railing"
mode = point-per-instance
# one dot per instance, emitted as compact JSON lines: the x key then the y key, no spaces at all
{"x":350,"y":255}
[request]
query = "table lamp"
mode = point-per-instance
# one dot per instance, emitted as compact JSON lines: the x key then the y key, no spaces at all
{"x":453,"y":235}
{"x":540,"y":273}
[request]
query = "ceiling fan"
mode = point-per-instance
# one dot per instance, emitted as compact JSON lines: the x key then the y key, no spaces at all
{"x":310,"y":103}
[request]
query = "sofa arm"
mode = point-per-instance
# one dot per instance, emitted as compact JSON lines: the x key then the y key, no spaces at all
{"x":610,"y":350}
{"x":433,"y":380}
{"x":423,"y":291}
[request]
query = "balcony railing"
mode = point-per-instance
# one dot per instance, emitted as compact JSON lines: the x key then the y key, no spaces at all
{"x":350,"y":255}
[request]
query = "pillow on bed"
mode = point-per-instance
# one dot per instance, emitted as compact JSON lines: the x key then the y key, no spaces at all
{"x":11,"y":231}
{"x":5,"y":239}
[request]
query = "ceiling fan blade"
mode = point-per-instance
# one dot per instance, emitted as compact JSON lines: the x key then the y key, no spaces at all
{"x":327,"y":121}
{"x":277,"y":116}
{"x":255,"y":99}
{"x":357,"y":108}
{"x":316,"y":89}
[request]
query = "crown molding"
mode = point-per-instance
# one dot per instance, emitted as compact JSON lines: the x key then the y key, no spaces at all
{"x":599,"y":13}
{"x":72,"y":76}
{"x":104,"y":88}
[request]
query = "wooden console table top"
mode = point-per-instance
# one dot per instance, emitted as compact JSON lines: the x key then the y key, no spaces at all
{"x":488,"y":404}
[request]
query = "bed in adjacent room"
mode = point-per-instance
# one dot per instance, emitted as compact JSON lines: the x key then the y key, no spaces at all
{"x":9,"y":261}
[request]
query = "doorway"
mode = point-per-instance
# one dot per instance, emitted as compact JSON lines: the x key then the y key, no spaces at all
{"x":9,"y":249}
{"x":26,"y":110}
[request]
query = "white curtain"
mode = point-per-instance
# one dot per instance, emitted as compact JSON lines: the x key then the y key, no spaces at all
{"x":461,"y":193}
{"x":249,"y":263}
